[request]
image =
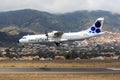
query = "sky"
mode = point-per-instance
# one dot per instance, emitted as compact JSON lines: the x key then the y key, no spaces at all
{"x":61,"y":6}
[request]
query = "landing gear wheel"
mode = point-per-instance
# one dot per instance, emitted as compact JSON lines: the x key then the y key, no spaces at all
{"x":58,"y":43}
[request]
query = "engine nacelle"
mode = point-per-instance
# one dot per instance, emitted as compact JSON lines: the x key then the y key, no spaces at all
{"x":52,"y":34}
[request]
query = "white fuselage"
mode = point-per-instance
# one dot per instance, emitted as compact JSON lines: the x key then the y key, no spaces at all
{"x":71,"y":36}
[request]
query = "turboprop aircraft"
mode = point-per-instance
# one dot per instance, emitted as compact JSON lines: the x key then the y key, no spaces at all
{"x":58,"y":36}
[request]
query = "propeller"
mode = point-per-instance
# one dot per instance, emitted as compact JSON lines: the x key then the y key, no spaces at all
{"x":46,"y":33}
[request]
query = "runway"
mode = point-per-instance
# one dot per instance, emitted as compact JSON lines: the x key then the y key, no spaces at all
{"x":58,"y":70}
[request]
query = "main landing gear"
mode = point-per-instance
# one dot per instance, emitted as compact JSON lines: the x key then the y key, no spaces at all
{"x":58,"y":43}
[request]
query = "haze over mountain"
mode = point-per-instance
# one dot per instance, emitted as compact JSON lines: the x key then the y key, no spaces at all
{"x":38,"y":21}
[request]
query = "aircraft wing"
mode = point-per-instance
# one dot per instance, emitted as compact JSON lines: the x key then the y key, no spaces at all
{"x":58,"y":34}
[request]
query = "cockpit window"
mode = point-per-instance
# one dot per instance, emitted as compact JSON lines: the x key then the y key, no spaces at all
{"x":24,"y":37}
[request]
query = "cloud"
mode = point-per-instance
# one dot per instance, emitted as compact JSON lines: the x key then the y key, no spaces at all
{"x":60,"y":6}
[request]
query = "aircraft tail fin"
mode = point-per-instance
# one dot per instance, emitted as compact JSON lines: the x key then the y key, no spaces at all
{"x":96,"y":28}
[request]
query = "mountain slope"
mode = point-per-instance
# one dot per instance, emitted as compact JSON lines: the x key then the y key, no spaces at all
{"x":15,"y":24}
{"x":40,"y":21}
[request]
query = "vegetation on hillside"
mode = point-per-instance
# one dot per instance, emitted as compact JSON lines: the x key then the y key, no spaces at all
{"x":15,"y":24}
{"x":39,"y":21}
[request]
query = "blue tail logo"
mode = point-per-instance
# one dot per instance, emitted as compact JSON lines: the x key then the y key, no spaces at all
{"x":97,"y":26}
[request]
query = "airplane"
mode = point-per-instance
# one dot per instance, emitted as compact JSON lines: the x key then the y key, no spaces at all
{"x":58,"y":36}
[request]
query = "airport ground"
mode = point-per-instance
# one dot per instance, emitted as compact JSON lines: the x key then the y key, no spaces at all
{"x":60,"y":64}
{"x":59,"y":76}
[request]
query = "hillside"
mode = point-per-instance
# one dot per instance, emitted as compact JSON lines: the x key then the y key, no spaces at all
{"x":38,"y":21}
{"x":15,"y":24}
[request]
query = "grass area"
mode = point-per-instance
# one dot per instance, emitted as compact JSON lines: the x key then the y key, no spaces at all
{"x":66,"y":76}
{"x":66,"y":63}
{"x":59,"y":76}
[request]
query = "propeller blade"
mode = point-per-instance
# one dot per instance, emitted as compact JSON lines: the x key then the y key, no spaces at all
{"x":46,"y":33}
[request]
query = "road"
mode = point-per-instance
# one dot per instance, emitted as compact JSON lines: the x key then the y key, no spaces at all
{"x":58,"y":70}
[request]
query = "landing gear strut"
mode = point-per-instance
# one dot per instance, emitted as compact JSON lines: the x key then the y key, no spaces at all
{"x":58,"y":43}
